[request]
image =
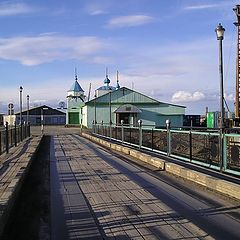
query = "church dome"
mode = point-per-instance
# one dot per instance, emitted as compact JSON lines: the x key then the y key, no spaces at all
{"x":76,"y":87}
{"x":107,"y":80}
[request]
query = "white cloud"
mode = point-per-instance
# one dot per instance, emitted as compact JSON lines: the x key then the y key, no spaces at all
{"x":129,"y":21}
{"x":208,"y":6}
{"x":96,"y":9}
{"x":47,"y":48}
{"x":97,"y":12}
{"x":8,"y":9}
{"x":184,"y":96}
{"x":200,"y":7}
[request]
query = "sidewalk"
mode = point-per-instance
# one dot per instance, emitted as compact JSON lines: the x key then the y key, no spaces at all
{"x":14,"y":167}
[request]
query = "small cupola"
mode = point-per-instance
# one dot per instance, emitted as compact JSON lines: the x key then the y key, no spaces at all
{"x":76,"y":90}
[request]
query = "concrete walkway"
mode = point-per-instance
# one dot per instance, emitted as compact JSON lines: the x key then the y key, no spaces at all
{"x":91,"y":199}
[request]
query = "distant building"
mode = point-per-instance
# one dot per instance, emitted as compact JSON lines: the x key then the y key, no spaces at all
{"x":49,"y":116}
{"x":192,"y":120}
{"x":113,"y":104}
{"x":213,"y":119}
{"x":130,"y":106}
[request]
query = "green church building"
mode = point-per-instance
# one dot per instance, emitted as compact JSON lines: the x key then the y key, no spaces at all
{"x":113,"y":104}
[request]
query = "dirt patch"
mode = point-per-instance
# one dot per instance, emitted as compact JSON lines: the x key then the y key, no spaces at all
{"x":30,"y":218}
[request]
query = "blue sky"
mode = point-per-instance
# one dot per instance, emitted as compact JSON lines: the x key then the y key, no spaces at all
{"x":166,"y":49}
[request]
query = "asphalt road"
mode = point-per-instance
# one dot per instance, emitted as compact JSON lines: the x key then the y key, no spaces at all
{"x":99,"y":194}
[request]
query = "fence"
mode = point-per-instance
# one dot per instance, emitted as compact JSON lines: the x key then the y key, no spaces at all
{"x":11,"y":135}
{"x":197,"y":146}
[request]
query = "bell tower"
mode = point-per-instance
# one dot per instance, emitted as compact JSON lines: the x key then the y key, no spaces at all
{"x":75,"y":102}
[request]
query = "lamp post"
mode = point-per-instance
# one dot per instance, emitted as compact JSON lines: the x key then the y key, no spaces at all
{"x":168,"y":126}
{"x":140,"y":132}
{"x":110,"y":108}
{"x":95,"y":109}
{"x":20,"y":122}
{"x":110,"y":115}
{"x":42,"y":119}
{"x":27,"y":109}
{"x":220,"y":35}
{"x":21,"y":90}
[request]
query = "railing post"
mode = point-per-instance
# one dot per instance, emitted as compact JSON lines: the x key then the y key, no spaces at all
{"x":7,"y":139}
{"x":0,"y":142}
{"x":93,"y":127}
{"x":110,"y":130}
{"x":21,"y":130}
{"x":15,"y":134}
{"x":140,"y":132}
{"x":25,"y":130}
{"x":168,"y":125}
{"x":11,"y":137}
{"x":221,"y":152}
{"x":122,"y":131}
{"x":130,"y":135}
{"x":152,"y":138}
{"x":102,"y":128}
{"x":224,"y":152}
{"x":29,"y":129}
{"x":190,"y":145}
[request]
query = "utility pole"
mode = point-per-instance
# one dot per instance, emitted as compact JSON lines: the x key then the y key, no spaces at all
{"x":237,"y":103}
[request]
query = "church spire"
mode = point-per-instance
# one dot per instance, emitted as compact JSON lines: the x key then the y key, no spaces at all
{"x":118,"y":86}
{"x":106,"y":72}
{"x":107,"y":80}
{"x":76,"y":77}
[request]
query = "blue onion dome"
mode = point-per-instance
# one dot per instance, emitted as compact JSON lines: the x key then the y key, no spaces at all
{"x":107,"y":80}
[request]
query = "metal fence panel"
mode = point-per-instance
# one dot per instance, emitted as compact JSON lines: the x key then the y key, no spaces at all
{"x":180,"y":144}
{"x":11,"y":136}
{"x":205,"y":148}
{"x":201,"y":147}
{"x":233,"y":152}
{"x":134,"y":136}
{"x":147,"y":138}
{"x":160,"y":141}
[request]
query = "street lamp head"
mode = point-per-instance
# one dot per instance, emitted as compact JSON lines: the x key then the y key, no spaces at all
{"x":236,"y":9}
{"x":168,"y":123}
{"x":220,"y":32}
{"x":237,"y":12}
{"x":140,"y":122}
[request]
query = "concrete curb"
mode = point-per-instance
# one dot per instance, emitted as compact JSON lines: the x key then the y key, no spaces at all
{"x":213,"y":183}
{"x":9,"y":196}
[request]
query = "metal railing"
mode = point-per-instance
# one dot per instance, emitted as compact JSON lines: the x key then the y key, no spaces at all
{"x":197,"y":146}
{"x":10,"y":136}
